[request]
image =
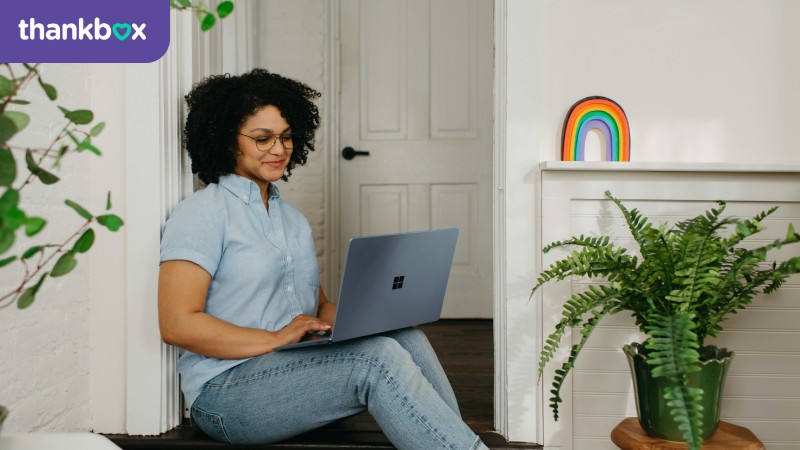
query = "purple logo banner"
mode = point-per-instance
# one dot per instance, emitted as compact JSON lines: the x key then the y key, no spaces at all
{"x":83,"y":31}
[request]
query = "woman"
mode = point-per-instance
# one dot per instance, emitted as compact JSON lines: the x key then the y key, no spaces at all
{"x":239,"y":277}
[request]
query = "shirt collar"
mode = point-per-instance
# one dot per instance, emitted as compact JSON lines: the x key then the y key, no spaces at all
{"x":246,"y":190}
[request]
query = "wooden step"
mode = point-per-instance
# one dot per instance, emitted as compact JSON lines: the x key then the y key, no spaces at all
{"x":187,"y":437}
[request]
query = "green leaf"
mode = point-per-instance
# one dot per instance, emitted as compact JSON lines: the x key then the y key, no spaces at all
{"x":7,"y":261}
{"x":47,"y":177}
{"x":19,"y":101}
{"x":64,"y":110}
{"x":108,"y":201}
{"x":9,"y":201}
{"x":43,"y":175}
{"x":224,"y":9}
{"x":84,"y":243}
{"x":20,"y":119}
{"x":110,"y":221}
{"x":6,"y":239}
{"x":65,"y":264}
{"x":34,"y":225}
{"x":6,"y":86}
{"x":27,"y":297}
{"x":32,"y":166}
{"x":97,"y":129}
{"x":61,"y":152}
{"x":32,"y":251}
{"x":87,"y":144}
{"x":48,"y":89}
{"x":184,"y":3}
{"x":79,"y":209}
{"x":207,"y":22}
{"x":7,"y":128}
{"x":791,"y":236}
{"x":14,"y":218}
{"x":80,"y":116}
{"x":8,"y":167}
{"x":73,"y":138}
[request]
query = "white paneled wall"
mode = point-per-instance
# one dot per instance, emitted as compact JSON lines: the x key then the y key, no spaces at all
{"x":763,"y":392}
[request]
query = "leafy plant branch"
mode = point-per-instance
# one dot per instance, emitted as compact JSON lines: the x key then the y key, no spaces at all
{"x":72,"y":138}
{"x":24,"y":297}
{"x":204,"y":13}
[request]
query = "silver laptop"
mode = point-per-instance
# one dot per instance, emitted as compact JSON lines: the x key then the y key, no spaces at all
{"x":389,"y":282}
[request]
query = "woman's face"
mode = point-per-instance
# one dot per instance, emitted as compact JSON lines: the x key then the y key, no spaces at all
{"x":263,"y":165}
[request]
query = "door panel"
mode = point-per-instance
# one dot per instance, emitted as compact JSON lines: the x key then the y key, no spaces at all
{"x":416,"y":92}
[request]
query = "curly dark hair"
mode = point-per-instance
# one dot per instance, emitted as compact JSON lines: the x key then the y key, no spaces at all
{"x":221,"y":104}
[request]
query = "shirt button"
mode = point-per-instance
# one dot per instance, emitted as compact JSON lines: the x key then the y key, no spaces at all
{"x":288,"y":259}
{"x":289,"y":289}
{"x":244,"y":197}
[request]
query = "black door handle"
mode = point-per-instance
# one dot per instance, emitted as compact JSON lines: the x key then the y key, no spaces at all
{"x":349,"y":153}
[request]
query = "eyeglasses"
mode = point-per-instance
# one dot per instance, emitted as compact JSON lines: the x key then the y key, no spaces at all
{"x":267,"y":141}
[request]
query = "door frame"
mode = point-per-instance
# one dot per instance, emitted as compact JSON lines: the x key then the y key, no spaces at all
{"x":332,"y":196}
{"x":499,"y":220}
{"x":151,"y":379}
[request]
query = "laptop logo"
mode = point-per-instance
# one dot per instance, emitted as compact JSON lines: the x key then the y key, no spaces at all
{"x":398,"y":282}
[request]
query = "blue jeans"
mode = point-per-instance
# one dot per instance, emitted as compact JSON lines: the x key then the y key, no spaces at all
{"x":395,"y":376}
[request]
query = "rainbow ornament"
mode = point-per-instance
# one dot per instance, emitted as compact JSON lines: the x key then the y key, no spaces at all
{"x":596,"y":113}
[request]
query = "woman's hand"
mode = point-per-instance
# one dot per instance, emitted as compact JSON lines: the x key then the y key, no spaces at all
{"x":299,"y":328}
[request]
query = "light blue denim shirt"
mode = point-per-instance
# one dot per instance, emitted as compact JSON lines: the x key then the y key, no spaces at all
{"x":263,"y":265}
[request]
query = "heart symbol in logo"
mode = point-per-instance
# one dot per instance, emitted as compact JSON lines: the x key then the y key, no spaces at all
{"x":121,"y":26}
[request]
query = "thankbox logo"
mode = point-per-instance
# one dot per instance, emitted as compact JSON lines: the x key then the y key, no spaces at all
{"x":32,"y":30}
{"x":84,"y":31}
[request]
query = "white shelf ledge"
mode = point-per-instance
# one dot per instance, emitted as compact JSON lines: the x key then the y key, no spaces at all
{"x":611,"y":166}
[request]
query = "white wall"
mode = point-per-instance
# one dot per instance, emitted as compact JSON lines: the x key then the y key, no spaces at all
{"x":293,"y":42}
{"x":700,"y":81}
{"x":46,"y":371}
{"x":710,"y":81}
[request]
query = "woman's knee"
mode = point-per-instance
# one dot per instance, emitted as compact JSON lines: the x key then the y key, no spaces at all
{"x":411,"y":334}
{"x":414,"y":341}
{"x":385,"y":349}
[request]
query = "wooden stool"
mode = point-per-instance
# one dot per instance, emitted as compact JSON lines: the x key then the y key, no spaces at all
{"x":629,"y":435}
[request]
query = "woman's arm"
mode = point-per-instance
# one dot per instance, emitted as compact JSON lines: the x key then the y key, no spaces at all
{"x":182,"y":290}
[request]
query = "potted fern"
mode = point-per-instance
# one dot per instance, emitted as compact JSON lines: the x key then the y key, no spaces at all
{"x":686,"y":280}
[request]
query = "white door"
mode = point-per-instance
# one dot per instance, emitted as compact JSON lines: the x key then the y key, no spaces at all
{"x":416,"y":93}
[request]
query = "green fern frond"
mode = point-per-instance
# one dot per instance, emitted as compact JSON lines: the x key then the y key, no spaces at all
{"x":637,"y":223}
{"x":673,"y":345}
{"x":686,"y":410}
{"x":652,"y":245}
{"x":583,"y":241}
{"x":573,"y":311}
{"x":673,"y":353}
{"x":561,"y":374}
{"x":589,"y":262}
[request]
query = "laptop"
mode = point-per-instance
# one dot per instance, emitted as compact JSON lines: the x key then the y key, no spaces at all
{"x":390,"y":282}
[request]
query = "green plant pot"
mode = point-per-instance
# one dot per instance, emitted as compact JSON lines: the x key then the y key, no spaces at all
{"x":653,"y":411}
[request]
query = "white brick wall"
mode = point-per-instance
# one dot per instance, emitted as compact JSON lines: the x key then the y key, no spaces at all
{"x":45,"y":354}
{"x":293,"y":43}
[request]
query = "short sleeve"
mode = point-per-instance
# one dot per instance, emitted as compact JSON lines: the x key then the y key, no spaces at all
{"x":194,"y":232}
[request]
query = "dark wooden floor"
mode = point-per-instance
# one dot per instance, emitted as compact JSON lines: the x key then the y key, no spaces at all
{"x":466,"y":350}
